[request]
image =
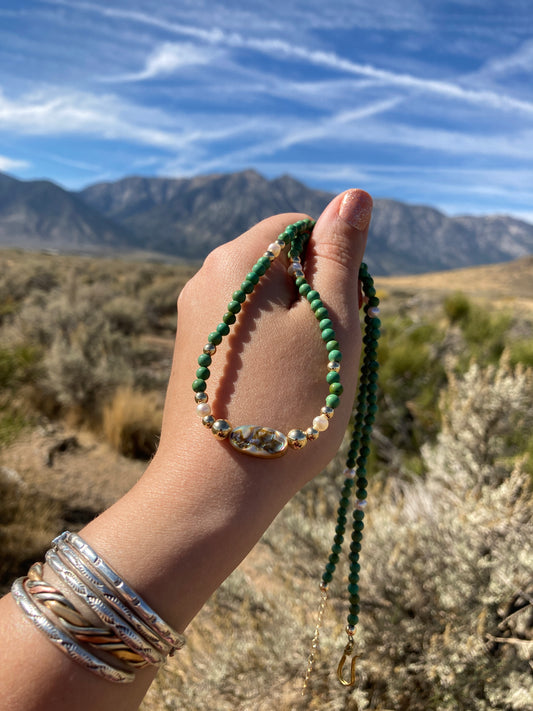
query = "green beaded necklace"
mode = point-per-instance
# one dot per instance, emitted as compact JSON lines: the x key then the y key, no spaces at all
{"x":266,"y":442}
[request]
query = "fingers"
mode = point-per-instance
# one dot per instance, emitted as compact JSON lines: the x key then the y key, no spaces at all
{"x":336,"y":251}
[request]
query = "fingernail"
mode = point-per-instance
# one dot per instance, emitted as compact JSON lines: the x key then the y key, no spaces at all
{"x":356,"y":209}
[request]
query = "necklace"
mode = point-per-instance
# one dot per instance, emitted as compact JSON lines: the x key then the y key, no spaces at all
{"x":267,"y":442}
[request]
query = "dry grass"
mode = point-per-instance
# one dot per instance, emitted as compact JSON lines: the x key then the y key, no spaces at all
{"x":131,"y":423}
{"x":447,"y":562}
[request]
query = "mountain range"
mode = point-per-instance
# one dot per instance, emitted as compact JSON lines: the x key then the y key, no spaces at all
{"x":188,"y":217}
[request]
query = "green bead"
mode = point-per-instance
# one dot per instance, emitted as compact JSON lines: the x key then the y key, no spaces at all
{"x":253,"y":277}
{"x":229,"y":318}
{"x":327,"y":577}
{"x":335,"y":355}
{"x":316,"y":304}
{"x":265,"y":261}
{"x":199,"y":385}
{"x":352,"y":620}
{"x":332,"y":401}
{"x":247,"y":286}
{"x":259,"y":269}
{"x":332,"y":346}
{"x":328,"y":334}
{"x":304,"y":289}
{"x":333,"y":377}
{"x":325,"y":323}
{"x":239,"y":296}
{"x":334,"y":558}
{"x":312,"y":295}
{"x":215,"y":338}
{"x":336,"y":548}
{"x":300,"y":281}
{"x":354,"y":608}
{"x":361,"y":494}
{"x":330,"y":568}
{"x":204,"y":359}
{"x":353,"y":589}
{"x":223,"y":329}
{"x":336,"y":389}
{"x":321,"y":312}
{"x":234,"y":307}
{"x":203,"y":373}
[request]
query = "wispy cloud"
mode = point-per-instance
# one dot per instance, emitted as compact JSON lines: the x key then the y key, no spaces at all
{"x":167,"y":59}
{"x":7,"y":164}
{"x":58,"y":112}
{"x":331,"y":60}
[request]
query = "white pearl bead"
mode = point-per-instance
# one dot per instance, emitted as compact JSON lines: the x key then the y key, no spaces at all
{"x":275,"y":248}
{"x":203,"y":409}
{"x":321,"y":423}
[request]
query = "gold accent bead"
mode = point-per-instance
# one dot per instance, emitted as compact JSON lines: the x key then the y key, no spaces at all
{"x":201,"y":397}
{"x":327,"y":411}
{"x":221,"y":429}
{"x":311,"y":433}
{"x":210,"y":349}
{"x":270,"y":255}
{"x":297,"y":439}
{"x":334,"y":365}
{"x":208,"y":421}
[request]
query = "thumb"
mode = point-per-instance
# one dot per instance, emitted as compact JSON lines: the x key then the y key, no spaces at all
{"x":336,"y":250}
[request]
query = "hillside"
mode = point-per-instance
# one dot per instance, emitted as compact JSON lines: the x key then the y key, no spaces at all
{"x":187,"y":218}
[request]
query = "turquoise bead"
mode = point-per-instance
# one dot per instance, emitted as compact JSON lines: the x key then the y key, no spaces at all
{"x":229,"y":318}
{"x":234,"y":307}
{"x":239,"y":296}
{"x":332,"y":346}
{"x":304,"y":289}
{"x":247,"y":286}
{"x":333,"y":377}
{"x":325,"y":323}
{"x":223,"y":329}
{"x":253,"y":277}
{"x":312,"y":295}
{"x":328,"y":334}
{"x":215,"y":338}
{"x":352,"y":620}
{"x":336,"y":389}
{"x":204,"y":359}
{"x":321,"y":312}
{"x":332,"y":401}
{"x":259,"y":269}
{"x":335,"y":355}
{"x":316,"y":304}
{"x":199,"y":385}
{"x":203,"y":373}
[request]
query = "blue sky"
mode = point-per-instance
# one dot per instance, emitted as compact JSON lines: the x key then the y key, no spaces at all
{"x":424,"y":101}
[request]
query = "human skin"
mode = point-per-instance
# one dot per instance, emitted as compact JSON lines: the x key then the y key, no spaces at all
{"x":201,"y":506}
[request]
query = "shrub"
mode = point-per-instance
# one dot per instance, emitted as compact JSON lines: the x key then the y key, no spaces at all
{"x":132,"y":423}
{"x":457,"y":307}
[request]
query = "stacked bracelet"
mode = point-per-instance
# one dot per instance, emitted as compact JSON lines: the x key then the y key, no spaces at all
{"x":130,"y":635}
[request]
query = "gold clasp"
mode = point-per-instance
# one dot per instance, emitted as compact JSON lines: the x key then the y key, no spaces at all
{"x":348,"y":651}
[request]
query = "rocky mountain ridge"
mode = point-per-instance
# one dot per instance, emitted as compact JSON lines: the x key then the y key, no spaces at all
{"x":187,"y":217}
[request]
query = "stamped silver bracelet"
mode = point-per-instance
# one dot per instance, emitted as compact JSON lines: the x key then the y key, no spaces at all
{"x":77,"y":564}
{"x":62,"y":639}
{"x":111,"y":618}
{"x":124,"y":591}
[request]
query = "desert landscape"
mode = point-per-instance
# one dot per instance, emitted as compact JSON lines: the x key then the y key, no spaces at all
{"x":447,"y":563}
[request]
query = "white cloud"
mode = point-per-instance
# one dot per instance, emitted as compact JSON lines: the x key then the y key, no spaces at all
{"x":7,"y":164}
{"x":331,"y":60}
{"x":53,"y":111}
{"x":166,"y":59}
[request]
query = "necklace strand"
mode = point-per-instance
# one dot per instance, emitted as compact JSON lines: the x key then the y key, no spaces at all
{"x":265,"y":442}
